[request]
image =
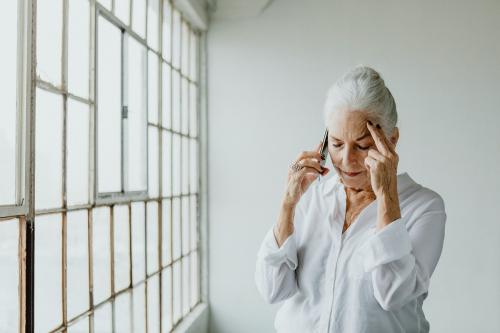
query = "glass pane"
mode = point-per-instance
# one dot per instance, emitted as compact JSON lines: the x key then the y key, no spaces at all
{"x":193,"y":218}
{"x":48,"y":276}
{"x":166,"y":99}
{"x":166,"y":232}
{"x":152,"y":234}
{"x":166,"y":299}
{"x":9,"y":279}
{"x":176,"y":38}
{"x":177,"y":291}
{"x":153,"y":166}
{"x":123,"y":318}
{"x":154,"y":304}
{"x":193,"y":110}
{"x":153,"y":23}
{"x":109,"y":107}
{"x":139,"y":308}
{"x":78,"y":147}
{"x":193,"y":56}
{"x":176,"y":101}
{"x":194,"y":279}
{"x":167,"y":30}
{"x":193,"y":163}
{"x":105,"y":3}
{"x":121,"y":243}
{"x":176,"y":227}
{"x":78,"y":48}
{"x":122,"y":10}
{"x":153,"y":87}
{"x":48,"y":175}
{"x":138,"y":242}
{"x":103,"y":319}
{"x":186,"y":233}
{"x":185,"y":165}
{"x":81,"y":326}
{"x":137,"y":116}
{"x":185,"y":285}
{"x":49,"y":40}
{"x":77,"y":262}
{"x":139,"y":17}
{"x":184,"y":48}
{"x":167,"y":163}
{"x":8,"y":68}
{"x":185,"y":106}
{"x":176,"y":164}
{"x":101,"y":253}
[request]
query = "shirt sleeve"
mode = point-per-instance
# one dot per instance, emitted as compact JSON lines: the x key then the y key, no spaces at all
{"x":275,"y":267}
{"x":402,"y":256}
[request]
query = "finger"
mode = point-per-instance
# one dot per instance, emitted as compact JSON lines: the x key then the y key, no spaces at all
{"x":391,"y":146}
{"x":308,"y":154}
{"x":377,"y":137}
{"x":311,"y":163}
{"x":376,"y":155}
{"x":308,"y":170}
{"x":371,"y":163}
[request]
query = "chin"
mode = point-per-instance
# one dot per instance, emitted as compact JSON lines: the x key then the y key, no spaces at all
{"x":359,"y":181}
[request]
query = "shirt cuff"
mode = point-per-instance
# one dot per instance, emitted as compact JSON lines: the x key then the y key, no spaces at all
{"x":390,"y":243}
{"x":274,"y":255}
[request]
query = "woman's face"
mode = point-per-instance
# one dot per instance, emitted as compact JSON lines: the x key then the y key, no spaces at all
{"x":348,"y":143}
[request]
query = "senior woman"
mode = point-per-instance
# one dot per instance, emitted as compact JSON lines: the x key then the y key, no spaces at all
{"x":355,"y":252}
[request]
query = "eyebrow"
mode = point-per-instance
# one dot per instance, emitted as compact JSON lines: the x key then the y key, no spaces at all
{"x":364,"y":136}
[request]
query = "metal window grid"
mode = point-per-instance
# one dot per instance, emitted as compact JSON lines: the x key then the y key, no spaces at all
{"x":25,"y":177}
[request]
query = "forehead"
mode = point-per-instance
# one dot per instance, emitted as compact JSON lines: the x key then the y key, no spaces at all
{"x":348,"y":125}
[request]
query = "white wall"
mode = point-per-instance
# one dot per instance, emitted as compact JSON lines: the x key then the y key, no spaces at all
{"x":268,"y":76}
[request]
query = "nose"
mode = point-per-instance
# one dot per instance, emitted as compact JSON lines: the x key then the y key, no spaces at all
{"x":348,"y":156}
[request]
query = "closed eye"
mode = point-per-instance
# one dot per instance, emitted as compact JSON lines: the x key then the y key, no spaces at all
{"x":360,"y":147}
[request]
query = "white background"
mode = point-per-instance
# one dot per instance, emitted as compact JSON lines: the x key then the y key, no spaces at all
{"x":268,"y":76}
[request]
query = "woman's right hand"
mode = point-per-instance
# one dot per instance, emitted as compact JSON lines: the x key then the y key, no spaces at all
{"x":299,"y":180}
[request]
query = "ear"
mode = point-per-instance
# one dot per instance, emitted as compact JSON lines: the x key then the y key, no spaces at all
{"x":395,"y":136}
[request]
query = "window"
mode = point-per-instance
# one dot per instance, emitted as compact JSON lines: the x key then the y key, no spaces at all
{"x":114,"y":112}
{"x":121,"y":111}
{"x":15,"y":96}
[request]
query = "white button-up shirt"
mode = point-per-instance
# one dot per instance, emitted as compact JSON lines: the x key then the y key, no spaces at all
{"x":362,"y":280}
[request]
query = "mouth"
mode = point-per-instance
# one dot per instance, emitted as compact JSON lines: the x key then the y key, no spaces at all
{"x":351,"y":174}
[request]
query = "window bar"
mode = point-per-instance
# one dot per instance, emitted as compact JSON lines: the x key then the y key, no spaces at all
{"x":64,"y":87}
{"x":47,"y":86}
{"x":112,"y":261}
{"x":159,"y":85}
{"x":146,"y":266}
{"x":181,"y":294}
{"x":22,"y":273}
{"x":30,"y":225}
{"x":188,"y":44}
{"x":171,"y":296}
{"x":90,"y":266}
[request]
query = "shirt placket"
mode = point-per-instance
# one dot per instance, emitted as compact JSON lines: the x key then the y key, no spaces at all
{"x":338,"y":249}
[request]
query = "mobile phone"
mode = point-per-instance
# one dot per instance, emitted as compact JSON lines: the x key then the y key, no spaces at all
{"x":324,"y":148}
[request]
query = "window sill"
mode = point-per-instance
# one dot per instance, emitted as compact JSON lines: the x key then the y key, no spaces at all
{"x":194,"y":322}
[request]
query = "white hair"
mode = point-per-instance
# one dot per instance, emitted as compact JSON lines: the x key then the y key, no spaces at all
{"x":363,"y":89}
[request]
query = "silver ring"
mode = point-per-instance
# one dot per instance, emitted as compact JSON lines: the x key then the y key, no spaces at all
{"x":295,"y":166}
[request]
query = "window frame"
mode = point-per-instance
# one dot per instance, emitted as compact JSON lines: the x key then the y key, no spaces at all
{"x":123,"y":195}
{"x":24,"y":66}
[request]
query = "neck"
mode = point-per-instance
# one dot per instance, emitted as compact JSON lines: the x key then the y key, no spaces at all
{"x":357,"y":194}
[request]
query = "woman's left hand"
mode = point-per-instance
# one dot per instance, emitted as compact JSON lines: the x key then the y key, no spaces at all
{"x":382,"y":164}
